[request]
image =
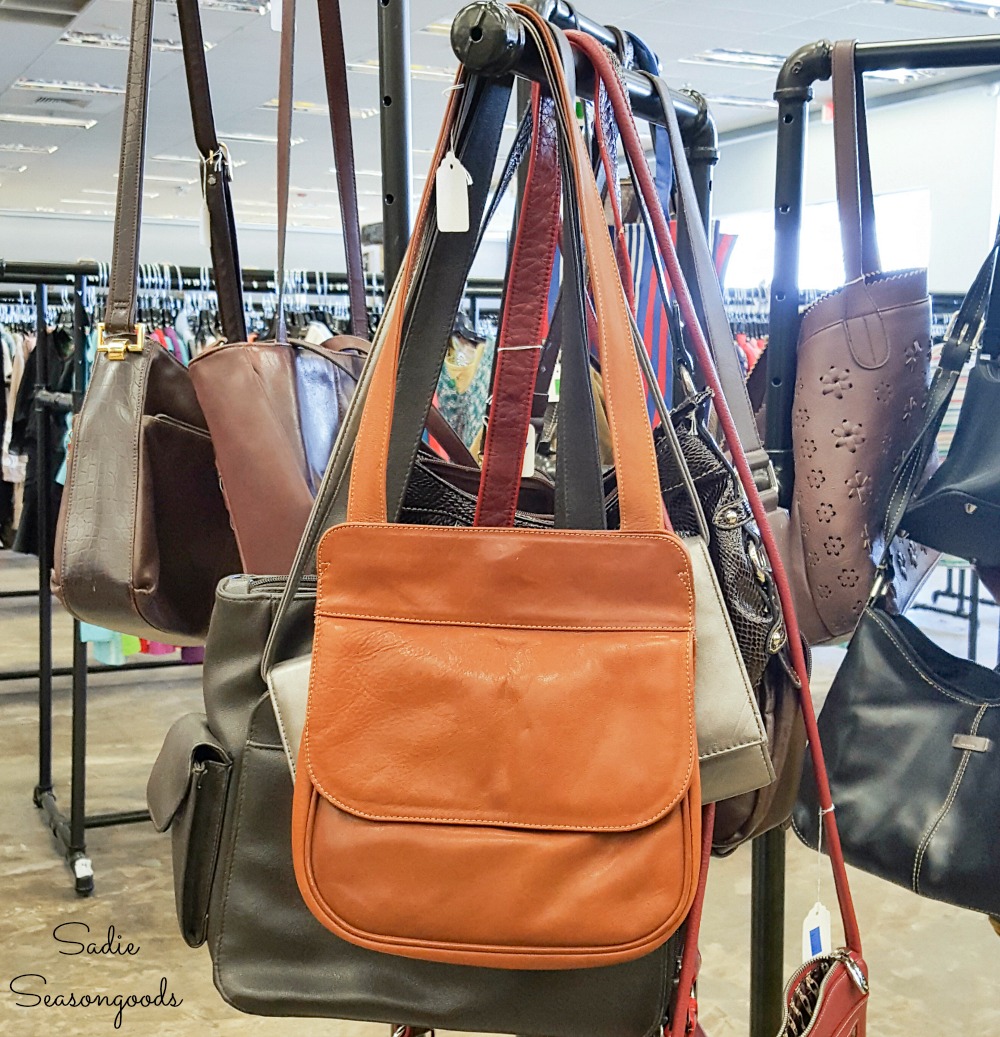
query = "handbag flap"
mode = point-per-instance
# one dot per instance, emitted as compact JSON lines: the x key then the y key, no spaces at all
{"x":513,"y":677}
{"x":189,"y":741}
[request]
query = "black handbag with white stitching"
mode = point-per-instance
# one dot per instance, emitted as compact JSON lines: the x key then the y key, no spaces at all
{"x":911,"y":734}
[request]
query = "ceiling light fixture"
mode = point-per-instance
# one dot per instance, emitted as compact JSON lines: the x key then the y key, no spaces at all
{"x":65,"y":86}
{"x":101,"y":190}
{"x":732,"y":101}
{"x":260,"y":7}
{"x":29,"y":149}
{"x":990,"y":10}
{"x":258,"y":138}
{"x":439,"y":28}
{"x":314,"y":108}
{"x":234,"y":163}
{"x":114,"y":41}
{"x":47,"y":120}
{"x":729,"y":58}
{"x":187,"y":182}
{"x":12,"y":169}
{"x":433,"y":72}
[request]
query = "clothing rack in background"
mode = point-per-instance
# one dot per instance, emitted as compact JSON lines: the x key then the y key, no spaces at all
{"x":80,"y":283}
{"x":793,"y":92}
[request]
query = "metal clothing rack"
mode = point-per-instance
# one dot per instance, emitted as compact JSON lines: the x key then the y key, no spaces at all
{"x":69,"y":830}
{"x":793,"y":92}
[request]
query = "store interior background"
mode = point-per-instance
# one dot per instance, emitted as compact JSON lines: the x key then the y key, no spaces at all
{"x":936,"y":161}
{"x":934,"y":139}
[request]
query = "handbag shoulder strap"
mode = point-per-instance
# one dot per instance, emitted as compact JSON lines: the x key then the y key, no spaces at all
{"x":216,"y":174}
{"x":119,"y":319}
{"x":331,"y":30}
{"x":706,"y":290}
{"x":855,"y":200}
{"x":123,"y":279}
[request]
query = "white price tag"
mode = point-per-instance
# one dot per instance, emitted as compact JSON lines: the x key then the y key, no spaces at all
{"x":276,"y":15}
{"x":816,"y":937}
{"x":451,"y":184}
{"x":528,"y":467}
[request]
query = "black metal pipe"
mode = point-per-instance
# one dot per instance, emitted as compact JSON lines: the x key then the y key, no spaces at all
{"x":18,"y":594}
{"x":487,"y":38}
{"x":397,"y":131}
{"x":123,"y":817}
{"x":784,"y":317}
{"x":767,"y":931}
{"x":67,"y":671}
{"x":78,"y":767}
{"x":43,"y":482}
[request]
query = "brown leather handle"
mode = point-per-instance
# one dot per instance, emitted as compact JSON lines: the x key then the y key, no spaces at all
{"x":121,"y":306}
{"x":119,"y":319}
{"x":855,"y":200}
{"x":631,"y":436}
{"x":331,"y":32}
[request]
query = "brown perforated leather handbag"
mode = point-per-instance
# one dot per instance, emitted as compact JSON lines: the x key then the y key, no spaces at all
{"x":861,"y":381}
{"x":513,"y":685}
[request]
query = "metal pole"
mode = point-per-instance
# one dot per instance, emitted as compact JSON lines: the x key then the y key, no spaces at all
{"x":793,"y":94}
{"x":78,"y":788}
{"x":43,"y":478}
{"x":486,"y":37}
{"x":396,"y":127}
{"x":767,"y":929}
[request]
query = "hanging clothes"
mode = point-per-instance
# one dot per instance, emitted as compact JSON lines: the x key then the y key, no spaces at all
{"x":57,"y":345}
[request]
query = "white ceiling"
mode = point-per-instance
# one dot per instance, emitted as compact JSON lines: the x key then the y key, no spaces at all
{"x":79,"y":176}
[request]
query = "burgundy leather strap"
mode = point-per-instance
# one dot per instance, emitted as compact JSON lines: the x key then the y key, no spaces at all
{"x":685,"y":1011}
{"x":331,"y":31}
{"x":519,"y":343}
{"x":630,"y":138}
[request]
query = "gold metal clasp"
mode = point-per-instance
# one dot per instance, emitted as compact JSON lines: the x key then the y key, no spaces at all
{"x":118,"y":345}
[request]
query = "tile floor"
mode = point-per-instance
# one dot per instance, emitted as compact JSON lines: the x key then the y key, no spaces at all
{"x":928,"y":962}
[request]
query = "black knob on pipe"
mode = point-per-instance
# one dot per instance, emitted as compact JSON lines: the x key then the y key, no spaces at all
{"x":487,"y":37}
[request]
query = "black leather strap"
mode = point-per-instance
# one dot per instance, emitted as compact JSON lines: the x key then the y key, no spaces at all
{"x":707,"y":295}
{"x":216,"y":176}
{"x":335,"y":66}
{"x":119,"y":317}
{"x":439,"y":282}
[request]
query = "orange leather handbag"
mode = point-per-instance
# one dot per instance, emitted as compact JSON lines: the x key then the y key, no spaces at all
{"x":499,"y":764}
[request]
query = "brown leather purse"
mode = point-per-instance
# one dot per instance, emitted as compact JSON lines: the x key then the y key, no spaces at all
{"x":143,"y":537}
{"x":513,"y":685}
{"x":267,"y":403}
{"x":861,"y":381}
